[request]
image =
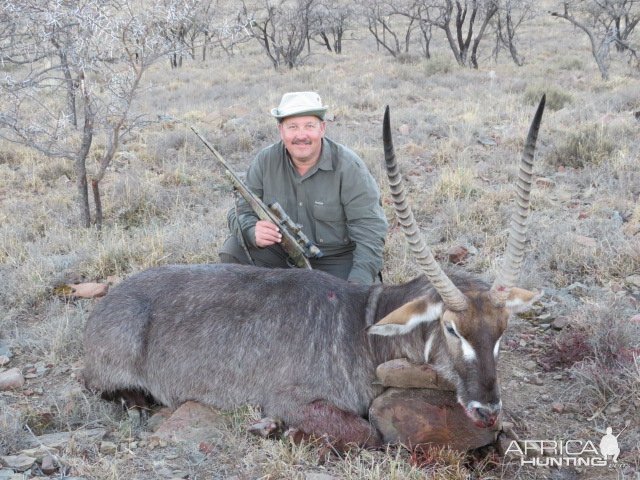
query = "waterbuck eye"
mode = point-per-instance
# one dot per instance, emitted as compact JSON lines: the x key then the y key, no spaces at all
{"x":451,"y":331}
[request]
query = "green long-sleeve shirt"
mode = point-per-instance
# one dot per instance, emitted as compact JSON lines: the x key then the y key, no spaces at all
{"x":337,"y":202}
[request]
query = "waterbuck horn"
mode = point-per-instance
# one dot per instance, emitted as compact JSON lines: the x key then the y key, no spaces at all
{"x":453,"y":298}
{"x":508,"y":273}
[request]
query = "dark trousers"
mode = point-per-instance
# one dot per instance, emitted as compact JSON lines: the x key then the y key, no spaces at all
{"x":275,"y":257}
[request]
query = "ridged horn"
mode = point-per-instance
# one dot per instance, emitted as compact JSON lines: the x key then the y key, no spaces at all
{"x":514,"y":253}
{"x":453,"y":298}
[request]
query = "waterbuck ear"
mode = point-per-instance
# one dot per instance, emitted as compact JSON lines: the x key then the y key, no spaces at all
{"x":407,"y":317}
{"x":521,"y":300}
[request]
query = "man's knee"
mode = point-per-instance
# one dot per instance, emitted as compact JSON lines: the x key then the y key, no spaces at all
{"x":226,"y":258}
{"x":232,"y":252}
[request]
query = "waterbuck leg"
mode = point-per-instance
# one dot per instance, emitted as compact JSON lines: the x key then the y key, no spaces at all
{"x":133,"y":401}
{"x":323,"y":421}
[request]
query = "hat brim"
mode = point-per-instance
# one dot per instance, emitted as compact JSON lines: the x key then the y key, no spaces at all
{"x":299,"y":112}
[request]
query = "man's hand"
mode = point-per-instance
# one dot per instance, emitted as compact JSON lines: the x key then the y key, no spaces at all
{"x":267,"y":234}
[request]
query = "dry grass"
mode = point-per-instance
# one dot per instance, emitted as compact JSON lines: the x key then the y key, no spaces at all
{"x":165,"y":202}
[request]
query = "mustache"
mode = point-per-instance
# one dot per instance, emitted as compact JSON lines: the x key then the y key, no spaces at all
{"x":301,"y":142}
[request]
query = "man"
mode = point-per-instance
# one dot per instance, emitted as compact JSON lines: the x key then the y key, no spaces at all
{"x":323,"y":186}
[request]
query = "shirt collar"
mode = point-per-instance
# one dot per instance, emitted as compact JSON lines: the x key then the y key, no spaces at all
{"x":324,"y":162}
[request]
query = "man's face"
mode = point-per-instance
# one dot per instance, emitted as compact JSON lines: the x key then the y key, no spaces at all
{"x":302,"y":137}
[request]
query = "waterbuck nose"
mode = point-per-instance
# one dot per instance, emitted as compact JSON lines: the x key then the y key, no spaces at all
{"x":487,"y":416}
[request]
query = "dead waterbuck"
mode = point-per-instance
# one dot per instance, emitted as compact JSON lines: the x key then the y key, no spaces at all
{"x":301,"y":344}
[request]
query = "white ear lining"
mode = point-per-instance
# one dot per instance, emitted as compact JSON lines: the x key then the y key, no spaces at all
{"x":517,"y":304}
{"x":433,"y":312}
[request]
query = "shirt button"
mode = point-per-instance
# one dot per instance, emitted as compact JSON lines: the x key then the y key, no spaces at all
{"x":321,"y":241}
{"x":300,"y":204}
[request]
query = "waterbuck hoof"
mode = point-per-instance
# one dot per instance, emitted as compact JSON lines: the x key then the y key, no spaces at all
{"x":265,"y":428}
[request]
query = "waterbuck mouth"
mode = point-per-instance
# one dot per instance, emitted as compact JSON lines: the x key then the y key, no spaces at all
{"x":482,"y":416}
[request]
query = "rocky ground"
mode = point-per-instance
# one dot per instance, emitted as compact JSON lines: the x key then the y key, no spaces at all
{"x":199,"y":442}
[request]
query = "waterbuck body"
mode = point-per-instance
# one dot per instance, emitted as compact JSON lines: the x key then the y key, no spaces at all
{"x":228,"y":335}
{"x":304,"y":345}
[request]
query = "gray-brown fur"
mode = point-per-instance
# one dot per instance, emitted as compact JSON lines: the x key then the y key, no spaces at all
{"x":228,"y":335}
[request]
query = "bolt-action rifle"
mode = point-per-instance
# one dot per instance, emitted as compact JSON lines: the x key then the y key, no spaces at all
{"x":294,"y":241}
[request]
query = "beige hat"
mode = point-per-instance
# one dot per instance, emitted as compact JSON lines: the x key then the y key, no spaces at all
{"x":296,"y":104}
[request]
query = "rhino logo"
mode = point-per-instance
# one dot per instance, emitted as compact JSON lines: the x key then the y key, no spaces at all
{"x":609,"y":445}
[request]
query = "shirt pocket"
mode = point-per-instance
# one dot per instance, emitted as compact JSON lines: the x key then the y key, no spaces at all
{"x":330,"y":223}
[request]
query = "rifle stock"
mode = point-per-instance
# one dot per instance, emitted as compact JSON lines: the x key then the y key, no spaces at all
{"x":294,"y":242}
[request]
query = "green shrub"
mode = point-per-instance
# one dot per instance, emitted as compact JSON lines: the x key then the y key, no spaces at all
{"x":569,"y":63}
{"x":589,"y":145}
{"x":556,"y":98}
{"x":437,"y":65}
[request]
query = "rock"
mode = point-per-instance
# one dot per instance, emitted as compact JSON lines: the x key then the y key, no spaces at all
{"x":4,"y":349}
{"x":6,"y":474}
{"x":577,"y":289}
{"x":37,"y":370}
{"x":61,"y":439}
{"x":487,"y":141}
{"x":192,"y":422}
{"x":633,"y":280}
{"x":536,"y":380}
{"x":11,"y":379}
{"x":401,"y":373}
{"x":543,"y":182}
{"x":4,"y":360}
{"x":458,"y":254}
{"x":530,"y":365}
{"x":158,"y":418}
{"x":404,"y":129}
{"x":108,"y":448}
{"x":49,"y":465}
{"x":318,"y":476}
{"x":18,"y":463}
{"x":419,"y":416}
{"x":557,"y":407}
{"x":89,"y":290}
{"x":614,"y":410}
{"x":503,"y":443}
{"x":559,"y":323}
{"x":207,"y":448}
{"x":583,"y":241}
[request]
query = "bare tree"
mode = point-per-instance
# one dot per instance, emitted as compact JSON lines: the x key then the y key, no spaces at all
{"x":458,"y":19}
{"x":606,"y":23}
{"x":71,"y":72}
{"x":180,"y":26}
{"x":510,"y":17}
{"x":225,"y":29}
{"x":391,"y":22}
{"x":329,"y":21}
{"x":281,"y":27}
{"x":426,"y":27}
